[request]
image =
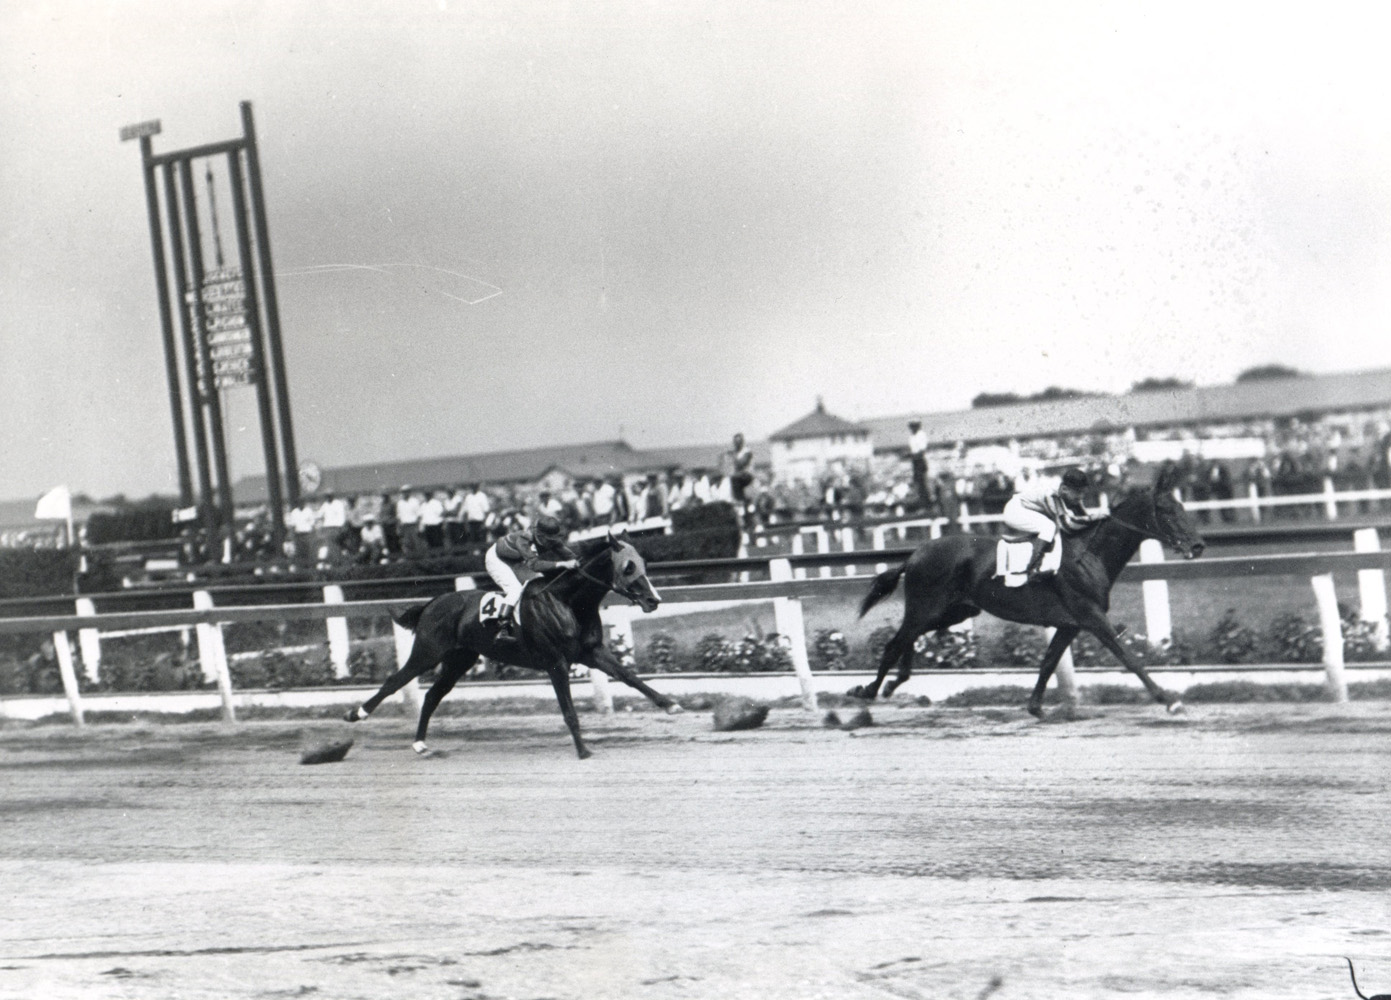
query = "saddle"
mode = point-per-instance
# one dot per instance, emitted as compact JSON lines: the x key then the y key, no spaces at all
{"x":1012,"y":558}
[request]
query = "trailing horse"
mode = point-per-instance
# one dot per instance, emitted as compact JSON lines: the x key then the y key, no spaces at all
{"x":948,"y":580}
{"x":559,"y":625}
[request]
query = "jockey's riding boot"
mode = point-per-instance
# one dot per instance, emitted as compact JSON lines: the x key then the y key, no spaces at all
{"x":507,"y":621}
{"x":1036,"y":560}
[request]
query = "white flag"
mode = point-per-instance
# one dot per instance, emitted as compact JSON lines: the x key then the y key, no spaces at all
{"x":56,"y":505}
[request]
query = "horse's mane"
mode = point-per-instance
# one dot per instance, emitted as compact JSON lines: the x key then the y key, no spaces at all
{"x":1133,"y":496}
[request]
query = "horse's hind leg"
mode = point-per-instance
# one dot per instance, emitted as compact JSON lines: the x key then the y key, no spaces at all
{"x":954,"y":615}
{"x":1061,"y":640}
{"x":455,"y":665}
{"x":560,"y":680}
{"x":422,"y":658}
{"x":917,"y":619}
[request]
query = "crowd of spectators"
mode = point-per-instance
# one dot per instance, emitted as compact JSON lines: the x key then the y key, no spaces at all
{"x":413,"y":523}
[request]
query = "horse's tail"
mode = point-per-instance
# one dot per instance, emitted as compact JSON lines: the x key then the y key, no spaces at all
{"x":884,"y":584}
{"x":409,"y":618}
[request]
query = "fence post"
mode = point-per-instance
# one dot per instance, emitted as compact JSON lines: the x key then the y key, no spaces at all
{"x":63,"y":651}
{"x":1371,"y":585}
{"x":465,"y":583}
{"x":847,"y":544}
{"x":798,"y":547}
{"x":1253,"y":491}
{"x":618,"y":620}
{"x":1330,"y":499}
{"x":823,"y":544}
{"x":337,"y":633}
{"x":1065,"y":672}
{"x":1332,"y":635}
{"x":1158,"y":624}
{"x":878,"y":542}
{"x":212,"y":655}
{"x":405,"y":642}
{"x":89,"y":641}
{"x":787,"y":617}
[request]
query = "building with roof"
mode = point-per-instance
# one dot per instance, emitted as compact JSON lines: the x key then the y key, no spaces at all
{"x":1220,"y":421}
{"x":552,"y":468}
{"x":806,"y":449}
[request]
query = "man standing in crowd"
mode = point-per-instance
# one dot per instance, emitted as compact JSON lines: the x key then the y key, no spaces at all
{"x":408,"y":521}
{"x":604,"y":502}
{"x":917,"y":455}
{"x":477,"y":507}
{"x":333,"y":521}
{"x":432,"y":520}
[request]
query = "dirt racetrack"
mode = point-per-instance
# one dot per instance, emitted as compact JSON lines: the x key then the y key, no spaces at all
{"x":1231,"y":852}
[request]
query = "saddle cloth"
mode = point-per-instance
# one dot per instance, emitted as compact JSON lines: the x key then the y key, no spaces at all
{"x":1012,"y":559}
{"x":490,"y":609}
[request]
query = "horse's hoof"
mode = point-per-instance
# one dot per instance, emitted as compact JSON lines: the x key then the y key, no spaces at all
{"x":674,"y":709}
{"x":855,"y":692}
{"x":585,"y":754}
{"x":1036,"y":711}
{"x":421,"y":750}
{"x":1175,"y":707}
{"x":355,"y":714}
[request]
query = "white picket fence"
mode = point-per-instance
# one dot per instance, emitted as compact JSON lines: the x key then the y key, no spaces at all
{"x":785,"y":588}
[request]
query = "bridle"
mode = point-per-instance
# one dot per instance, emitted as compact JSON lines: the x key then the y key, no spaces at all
{"x":580,"y":569}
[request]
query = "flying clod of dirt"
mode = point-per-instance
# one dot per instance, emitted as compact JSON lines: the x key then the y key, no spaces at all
{"x":859,"y":720}
{"x":832,"y":720}
{"x":326,"y":753}
{"x":739,"y":713}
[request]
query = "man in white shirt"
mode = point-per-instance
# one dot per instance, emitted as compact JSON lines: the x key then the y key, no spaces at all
{"x":333,"y":518}
{"x":432,"y":520}
{"x":477,"y":507}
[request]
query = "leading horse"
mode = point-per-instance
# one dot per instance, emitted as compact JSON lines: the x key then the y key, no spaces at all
{"x":559,"y":625}
{"x":950,"y":579}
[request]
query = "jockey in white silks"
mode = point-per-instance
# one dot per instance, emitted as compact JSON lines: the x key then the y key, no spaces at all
{"x":1039,"y":510}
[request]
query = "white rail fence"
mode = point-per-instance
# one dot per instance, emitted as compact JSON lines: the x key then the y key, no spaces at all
{"x":785,"y":589}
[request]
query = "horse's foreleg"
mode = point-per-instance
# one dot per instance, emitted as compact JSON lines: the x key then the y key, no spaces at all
{"x":560,"y":680}
{"x":602,"y":659}
{"x":422,"y":658}
{"x":456,"y":664}
{"x":1108,"y":638}
{"x":1061,"y":640}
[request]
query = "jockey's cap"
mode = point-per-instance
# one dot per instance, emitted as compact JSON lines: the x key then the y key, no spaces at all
{"x":547,"y":527}
{"x":1075,"y":479}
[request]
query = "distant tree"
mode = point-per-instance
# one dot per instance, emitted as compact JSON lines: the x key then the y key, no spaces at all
{"x":1263,"y":372}
{"x":1048,"y":395}
{"x":986,"y":399}
{"x":1057,"y":392}
{"x":1155,"y":384}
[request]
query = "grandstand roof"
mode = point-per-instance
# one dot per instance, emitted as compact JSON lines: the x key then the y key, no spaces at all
{"x":579,"y":461}
{"x":817,"y":423}
{"x":1252,"y":400}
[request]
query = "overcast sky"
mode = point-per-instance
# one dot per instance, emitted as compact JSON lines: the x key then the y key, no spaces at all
{"x":501,"y":225}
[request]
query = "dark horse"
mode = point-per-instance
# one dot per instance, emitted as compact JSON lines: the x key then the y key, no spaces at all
{"x":951,"y":579}
{"x":560,"y":625}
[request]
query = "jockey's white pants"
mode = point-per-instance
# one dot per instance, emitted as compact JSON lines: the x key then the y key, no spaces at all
{"x":503,"y":575}
{"x":1022,"y":519}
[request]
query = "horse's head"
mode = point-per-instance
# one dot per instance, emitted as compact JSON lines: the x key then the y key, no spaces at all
{"x":630,"y":574}
{"x":1157,"y":514}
